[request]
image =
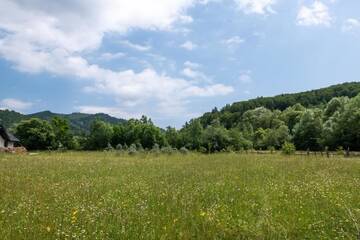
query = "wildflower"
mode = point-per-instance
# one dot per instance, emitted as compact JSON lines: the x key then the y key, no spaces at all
{"x":202,"y":213}
{"x":74,"y":216}
{"x":48,"y":229}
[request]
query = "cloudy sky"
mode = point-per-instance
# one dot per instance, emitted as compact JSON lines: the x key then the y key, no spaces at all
{"x":170,"y":59}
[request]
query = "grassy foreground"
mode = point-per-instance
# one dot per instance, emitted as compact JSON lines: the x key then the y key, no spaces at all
{"x":223,"y":196}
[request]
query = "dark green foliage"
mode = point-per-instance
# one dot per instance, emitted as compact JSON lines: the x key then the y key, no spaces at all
{"x":63,"y":136}
{"x":312,"y":120}
{"x":100,"y":135}
{"x":142,"y":132}
{"x":35,"y":134}
{"x":307,"y":132}
{"x":9,"y":118}
{"x":216,"y":137}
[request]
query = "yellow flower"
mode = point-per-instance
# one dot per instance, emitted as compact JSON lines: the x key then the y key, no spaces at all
{"x":202,"y":213}
{"x":48,"y":229}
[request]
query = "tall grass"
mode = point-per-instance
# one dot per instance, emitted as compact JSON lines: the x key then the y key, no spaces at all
{"x":222,"y":196}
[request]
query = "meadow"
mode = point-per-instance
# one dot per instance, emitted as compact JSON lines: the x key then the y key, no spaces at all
{"x":105,"y":195}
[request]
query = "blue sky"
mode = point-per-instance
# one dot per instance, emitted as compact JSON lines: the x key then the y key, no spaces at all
{"x":171,"y":60}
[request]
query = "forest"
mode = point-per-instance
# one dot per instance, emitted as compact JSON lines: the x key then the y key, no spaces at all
{"x":316,"y":122}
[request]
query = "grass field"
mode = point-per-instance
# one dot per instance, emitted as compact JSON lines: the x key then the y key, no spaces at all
{"x":221,"y":196}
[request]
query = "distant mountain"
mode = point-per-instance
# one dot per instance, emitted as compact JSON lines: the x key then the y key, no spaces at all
{"x":230,"y":115}
{"x":79,"y":122}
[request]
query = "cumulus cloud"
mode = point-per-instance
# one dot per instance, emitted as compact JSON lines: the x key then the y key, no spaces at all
{"x":188,"y":45}
{"x":256,"y":6}
{"x":112,"y":56}
{"x":351,"y":24}
{"x":54,"y":37}
{"x":191,"y":70}
{"x":138,"y":47}
{"x":233,"y":41}
{"x":245,"y":77}
{"x":316,"y":14}
{"x":15,"y":104}
{"x":192,"y":65}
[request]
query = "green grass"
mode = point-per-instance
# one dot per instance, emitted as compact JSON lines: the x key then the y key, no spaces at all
{"x":222,"y":196}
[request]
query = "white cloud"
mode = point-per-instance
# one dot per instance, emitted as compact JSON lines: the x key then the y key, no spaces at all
{"x":245,"y":77}
{"x":192,"y":65}
{"x":41,"y":36}
{"x":148,"y":85}
{"x":233,"y":41}
{"x":186,"y":19}
{"x":314,"y":15}
{"x":191,"y":70}
{"x":15,"y":104}
{"x":256,"y":6}
{"x":138,"y":47}
{"x":195,"y":75}
{"x":351,"y":24}
{"x":188,"y":45}
{"x":112,"y":56}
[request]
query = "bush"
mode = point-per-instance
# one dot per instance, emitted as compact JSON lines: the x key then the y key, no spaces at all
{"x":139,"y":147}
{"x":288,"y":148}
{"x":230,"y":149}
{"x":203,"y":150}
{"x":184,"y":150}
{"x":125,"y":147}
{"x":109,"y":147}
{"x":132,"y":149}
{"x":119,"y":147}
{"x":271,"y":149}
{"x":155,"y":149}
{"x":340,"y":150}
{"x":167,"y":150}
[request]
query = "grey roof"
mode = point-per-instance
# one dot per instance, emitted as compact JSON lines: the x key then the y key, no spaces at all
{"x":7,"y":135}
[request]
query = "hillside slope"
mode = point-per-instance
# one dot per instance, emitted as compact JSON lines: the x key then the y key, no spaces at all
{"x":231,"y":114}
{"x":79,"y":122}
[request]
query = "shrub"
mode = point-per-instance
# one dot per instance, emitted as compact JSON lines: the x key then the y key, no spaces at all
{"x":132,"y":149}
{"x":203,"y":150}
{"x":340,"y":150}
{"x":184,"y":150}
{"x":271,"y":149}
{"x":167,"y":150}
{"x":109,"y":147}
{"x":139,"y":147}
{"x":230,"y":149}
{"x":155,"y":149}
{"x":288,"y":148}
{"x":119,"y":147}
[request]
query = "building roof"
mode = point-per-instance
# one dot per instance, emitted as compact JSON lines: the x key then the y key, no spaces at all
{"x":7,"y":135}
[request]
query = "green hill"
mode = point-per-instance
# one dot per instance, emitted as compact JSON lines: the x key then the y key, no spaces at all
{"x":230,"y":115}
{"x":79,"y":122}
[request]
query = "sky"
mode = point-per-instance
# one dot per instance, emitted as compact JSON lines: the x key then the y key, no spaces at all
{"x":171,"y":60}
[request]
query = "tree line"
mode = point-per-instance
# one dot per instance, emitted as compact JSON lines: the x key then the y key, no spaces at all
{"x":332,"y":126}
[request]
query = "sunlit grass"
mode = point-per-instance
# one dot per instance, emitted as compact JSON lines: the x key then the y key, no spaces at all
{"x":222,"y":196}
